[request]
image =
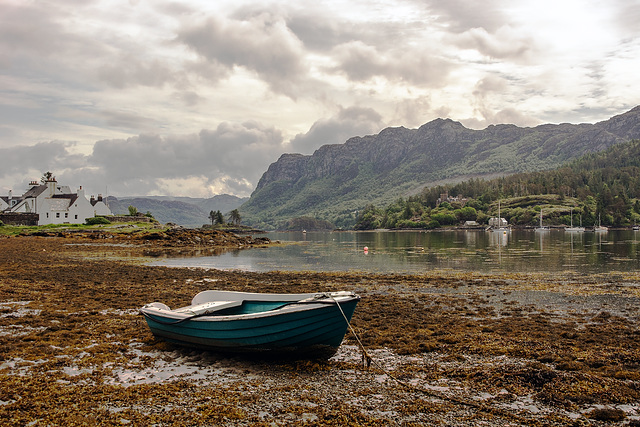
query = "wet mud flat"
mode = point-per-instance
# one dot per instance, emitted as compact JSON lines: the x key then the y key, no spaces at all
{"x":446,"y":348}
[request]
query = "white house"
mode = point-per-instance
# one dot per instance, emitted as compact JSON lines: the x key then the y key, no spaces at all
{"x":56,"y":204}
{"x":498,"y":222}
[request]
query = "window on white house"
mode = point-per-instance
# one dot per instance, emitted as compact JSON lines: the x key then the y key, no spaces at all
{"x":76,"y":216}
{"x":57,"y":214}
{"x":66,"y":214}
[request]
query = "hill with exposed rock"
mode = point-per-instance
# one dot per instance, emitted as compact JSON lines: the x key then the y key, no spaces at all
{"x":338,"y":180}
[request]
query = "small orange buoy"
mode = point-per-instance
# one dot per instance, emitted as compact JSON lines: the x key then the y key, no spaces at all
{"x":366,"y":249}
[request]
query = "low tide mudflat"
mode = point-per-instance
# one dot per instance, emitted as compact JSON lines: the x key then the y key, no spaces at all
{"x":447,"y":348}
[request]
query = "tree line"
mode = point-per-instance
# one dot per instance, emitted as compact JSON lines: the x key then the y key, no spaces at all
{"x":597,"y":188}
{"x":217,"y":218}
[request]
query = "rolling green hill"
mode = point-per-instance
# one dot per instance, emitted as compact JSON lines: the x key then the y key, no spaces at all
{"x":185,"y":211}
{"x":338,"y":181}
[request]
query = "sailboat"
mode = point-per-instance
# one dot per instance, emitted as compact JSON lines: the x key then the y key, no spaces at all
{"x":542,"y":227}
{"x":575,"y":229}
{"x":500,"y":227}
{"x":599,"y":227}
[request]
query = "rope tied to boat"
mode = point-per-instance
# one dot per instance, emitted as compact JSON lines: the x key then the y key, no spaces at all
{"x":368,"y":360}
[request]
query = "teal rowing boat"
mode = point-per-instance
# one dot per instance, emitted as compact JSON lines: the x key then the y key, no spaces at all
{"x":296,"y":325}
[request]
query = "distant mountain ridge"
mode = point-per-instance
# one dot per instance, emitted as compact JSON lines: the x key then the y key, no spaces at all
{"x":338,"y":179}
{"x":185,"y":211}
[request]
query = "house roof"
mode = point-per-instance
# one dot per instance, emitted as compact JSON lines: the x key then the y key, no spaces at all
{"x":34,"y":191}
{"x":62,"y":201}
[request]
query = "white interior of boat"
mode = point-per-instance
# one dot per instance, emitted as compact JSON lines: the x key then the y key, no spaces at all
{"x":214,"y":295}
{"x":211,"y":301}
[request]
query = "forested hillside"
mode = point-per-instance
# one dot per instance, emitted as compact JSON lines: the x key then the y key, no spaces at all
{"x":597,"y":187}
{"x":338,"y":181}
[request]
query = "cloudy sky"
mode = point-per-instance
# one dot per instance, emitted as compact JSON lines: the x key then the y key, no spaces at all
{"x":198,"y":97}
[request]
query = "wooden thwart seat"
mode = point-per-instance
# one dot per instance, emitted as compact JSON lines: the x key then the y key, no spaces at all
{"x":208,"y":307}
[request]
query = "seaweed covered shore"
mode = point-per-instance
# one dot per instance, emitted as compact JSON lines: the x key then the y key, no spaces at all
{"x":448,"y":348}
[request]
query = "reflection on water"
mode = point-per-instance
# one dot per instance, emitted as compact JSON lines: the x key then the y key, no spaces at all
{"x":417,"y":252}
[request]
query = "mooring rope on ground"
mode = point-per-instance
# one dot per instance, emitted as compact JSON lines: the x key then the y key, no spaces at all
{"x":368,"y":360}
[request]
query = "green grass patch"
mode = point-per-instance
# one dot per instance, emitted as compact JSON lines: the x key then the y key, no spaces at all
{"x":119,"y":227}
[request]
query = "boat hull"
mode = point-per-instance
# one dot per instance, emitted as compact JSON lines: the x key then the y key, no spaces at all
{"x":296,"y":330}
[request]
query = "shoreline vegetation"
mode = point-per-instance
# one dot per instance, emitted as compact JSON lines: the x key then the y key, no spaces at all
{"x":464,"y":348}
{"x":596,"y":189}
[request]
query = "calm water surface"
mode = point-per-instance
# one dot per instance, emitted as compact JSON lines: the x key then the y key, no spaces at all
{"x":419,"y":252}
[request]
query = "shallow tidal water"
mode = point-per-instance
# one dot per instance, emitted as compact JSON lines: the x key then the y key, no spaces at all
{"x":410,"y":252}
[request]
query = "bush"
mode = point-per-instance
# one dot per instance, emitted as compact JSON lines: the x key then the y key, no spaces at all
{"x":97,"y":220}
{"x":445,"y":218}
{"x":405,"y":223}
{"x":466,"y":214}
{"x":433,"y":224}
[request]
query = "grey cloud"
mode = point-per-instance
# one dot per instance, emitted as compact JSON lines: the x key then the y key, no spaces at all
{"x":232,"y":156}
{"x":417,"y":111}
{"x":484,"y":93}
{"x":237,"y":154}
{"x":321,"y":29}
{"x":320,"y":33}
{"x":512,"y":115}
{"x":504,"y":43}
{"x":43,"y":46}
{"x":459,"y":16}
{"x":213,"y":71}
{"x":42,"y":156}
{"x":188,"y":98}
{"x":128,"y":71}
{"x":28,"y":29}
{"x":417,"y":66}
{"x":128,"y":120}
{"x":242,"y":150}
{"x":627,"y":17}
{"x":352,"y":121}
{"x":30,"y":162}
{"x":489,"y":84}
{"x":40,"y":45}
{"x":262,"y":44}
{"x":504,"y":116}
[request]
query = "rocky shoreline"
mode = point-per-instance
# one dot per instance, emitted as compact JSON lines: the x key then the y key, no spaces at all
{"x":447,"y":348}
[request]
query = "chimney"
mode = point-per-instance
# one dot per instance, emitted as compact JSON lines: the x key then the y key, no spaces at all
{"x":51,"y":183}
{"x":10,"y":194}
{"x":93,"y":199}
{"x":99,"y":197}
{"x":80,"y":192}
